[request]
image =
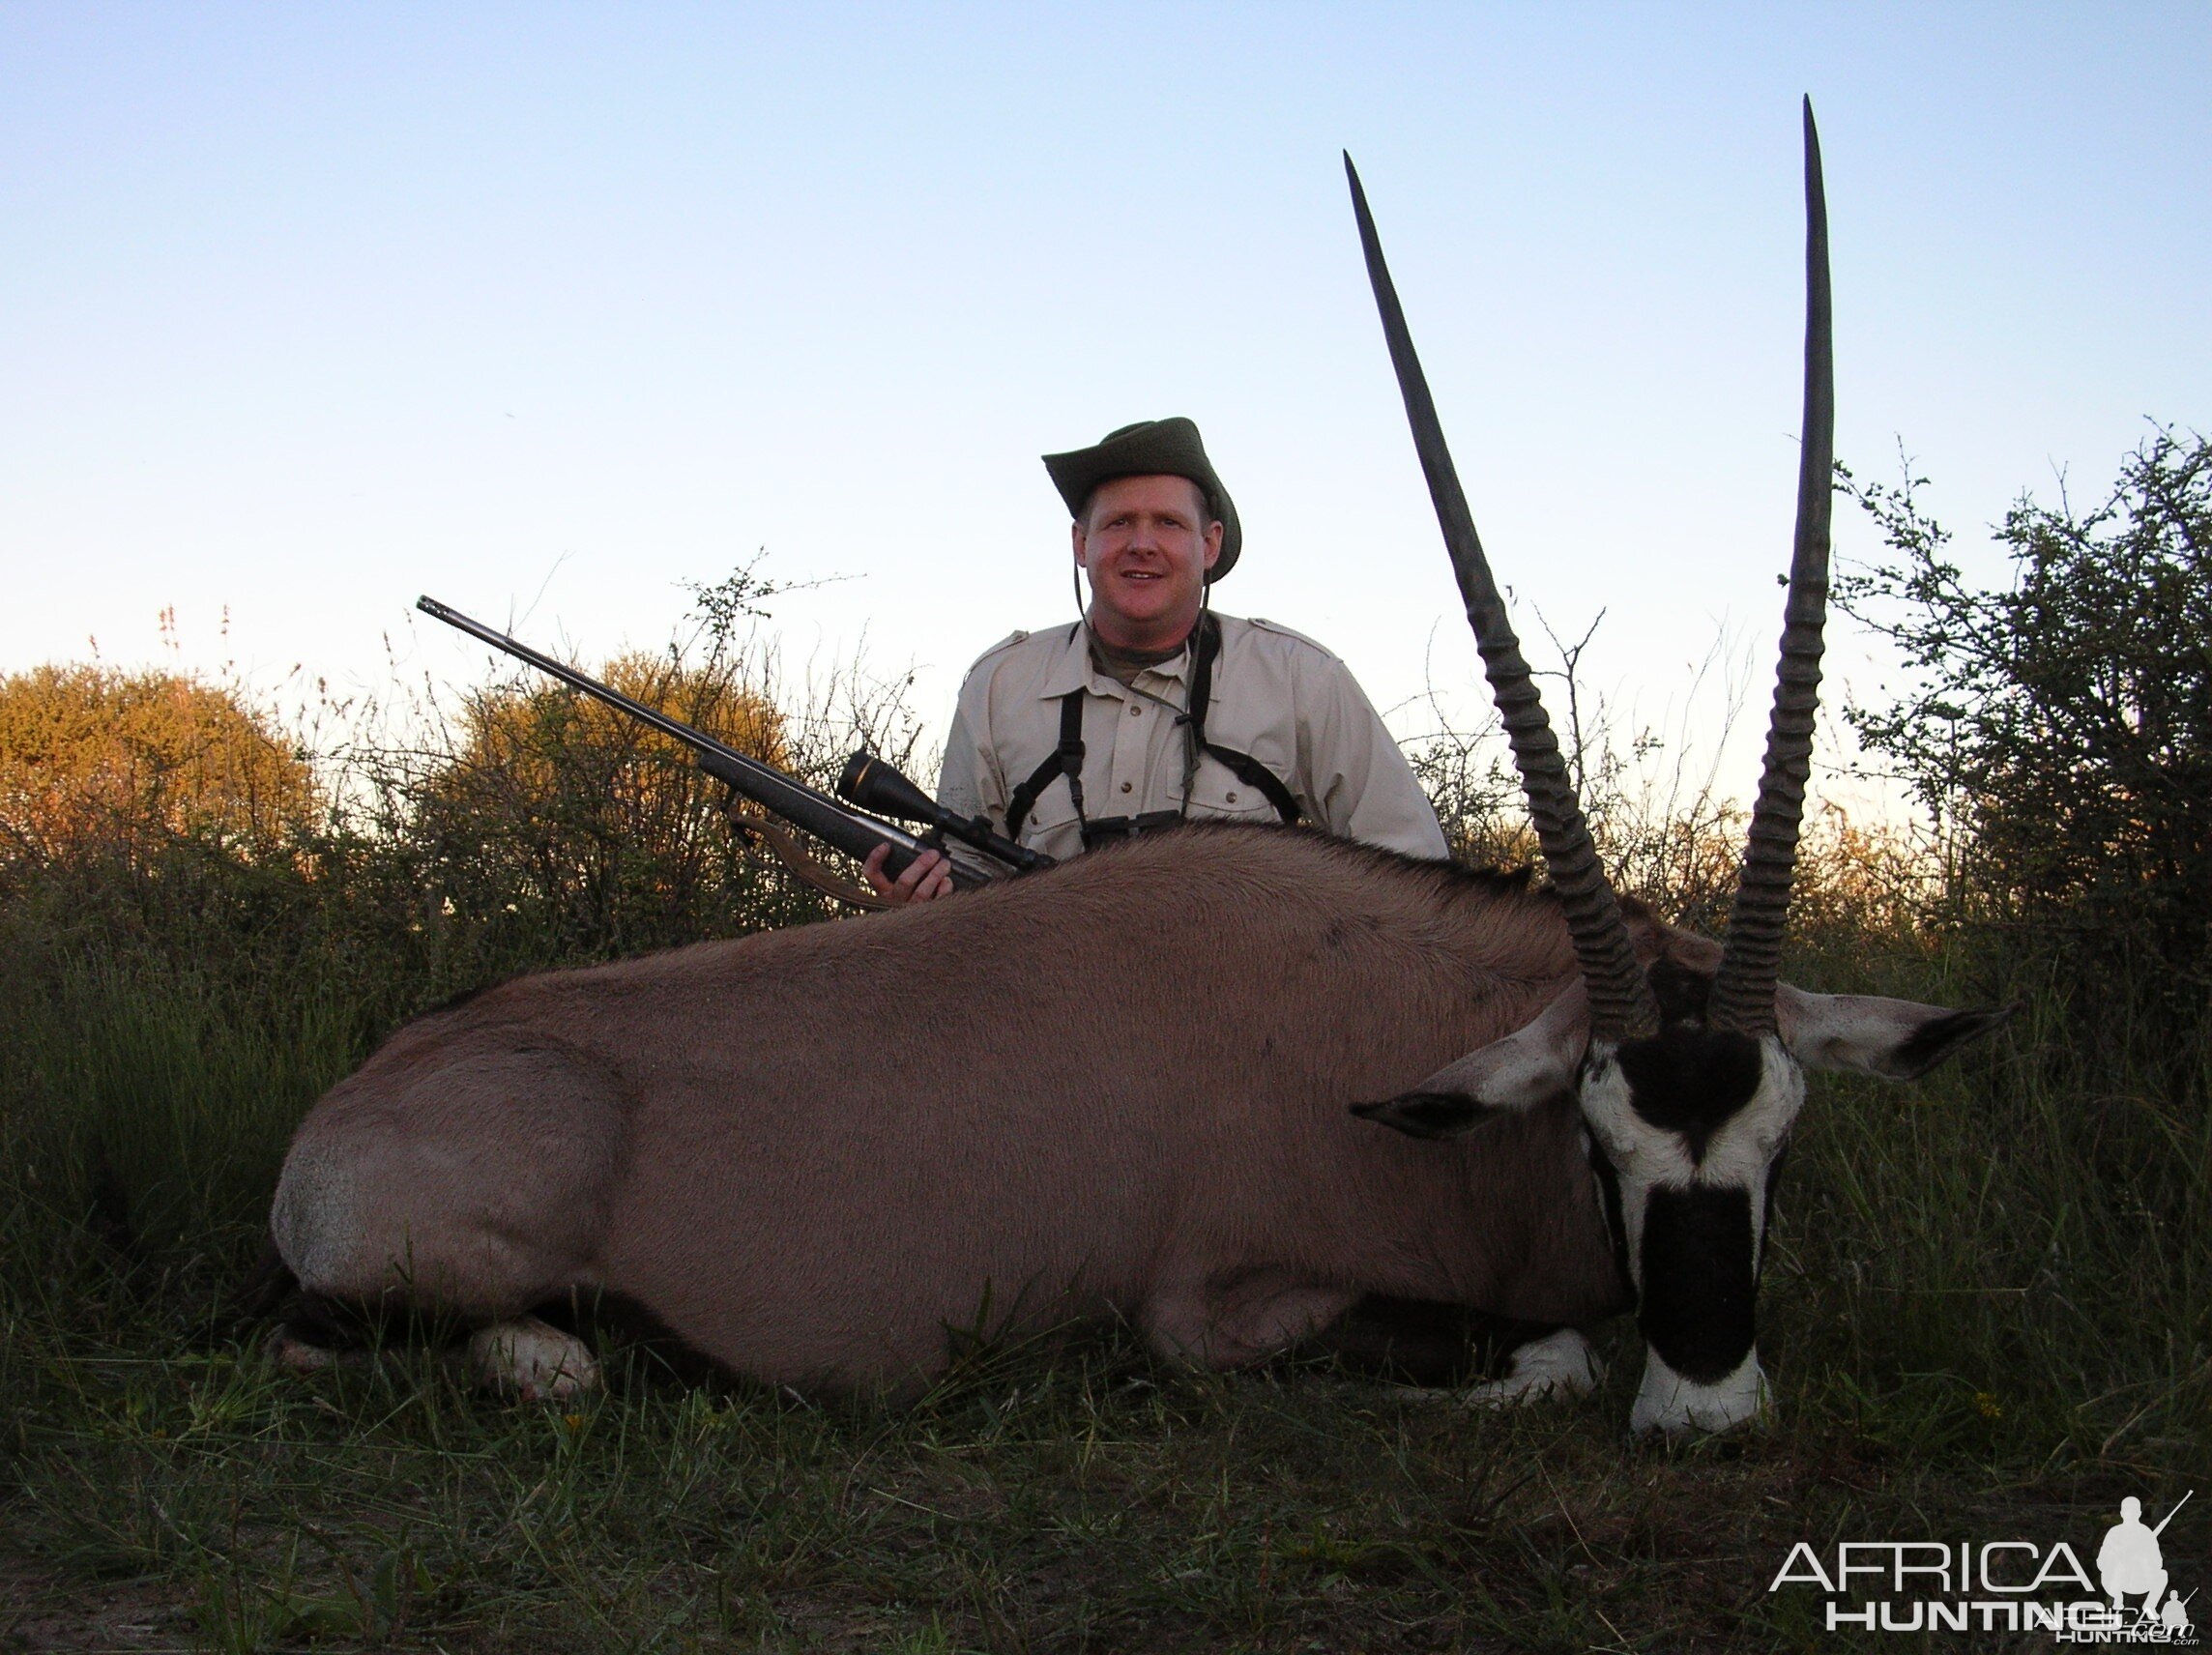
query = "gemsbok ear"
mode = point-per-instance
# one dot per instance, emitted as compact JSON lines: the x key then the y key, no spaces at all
{"x":1896,"y":1040}
{"x":1531,"y":1065}
{"x":1428,"y":1114}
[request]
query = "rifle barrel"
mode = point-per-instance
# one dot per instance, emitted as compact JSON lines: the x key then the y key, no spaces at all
{"x":853,"y":831}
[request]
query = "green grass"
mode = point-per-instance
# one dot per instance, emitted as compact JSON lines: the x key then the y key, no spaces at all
{"x":1086,"y":1501}
{"x":1986,"y":1313}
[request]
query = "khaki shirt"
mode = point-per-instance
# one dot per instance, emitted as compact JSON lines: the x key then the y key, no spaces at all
{"x":1279,"y":696}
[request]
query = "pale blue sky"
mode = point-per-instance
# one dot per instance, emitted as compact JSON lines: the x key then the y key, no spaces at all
{"x":306,"y":309}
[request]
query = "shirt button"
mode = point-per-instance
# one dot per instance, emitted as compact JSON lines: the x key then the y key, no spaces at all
{"x":1232,"y":799}
{"x":1125,"y":786}
{"x":1136,"y":712}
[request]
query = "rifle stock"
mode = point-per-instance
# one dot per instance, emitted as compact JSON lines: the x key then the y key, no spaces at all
{"x":853,"y":831}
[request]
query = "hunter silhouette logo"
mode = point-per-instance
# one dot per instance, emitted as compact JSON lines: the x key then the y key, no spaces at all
{"x":2130,"y":1561}
{"x":2004,"y":1585}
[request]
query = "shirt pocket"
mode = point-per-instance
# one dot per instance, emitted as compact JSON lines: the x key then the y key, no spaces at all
{"x":1217,"y":792}
{"x":1052,"y":826}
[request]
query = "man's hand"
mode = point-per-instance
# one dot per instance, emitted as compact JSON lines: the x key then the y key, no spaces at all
{"x":928,"y":877}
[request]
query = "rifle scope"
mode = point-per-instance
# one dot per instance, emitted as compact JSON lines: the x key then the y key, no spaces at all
{"x":873,"y":785}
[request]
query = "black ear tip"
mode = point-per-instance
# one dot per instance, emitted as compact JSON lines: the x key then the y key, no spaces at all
{"x":1974,"y":1024}
{"x":1945,"y":1035}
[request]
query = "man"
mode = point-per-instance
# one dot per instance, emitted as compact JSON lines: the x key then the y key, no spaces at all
{"x":1152,"y":709}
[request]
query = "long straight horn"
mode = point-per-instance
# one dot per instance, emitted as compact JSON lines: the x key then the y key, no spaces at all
{"x":1744,"y":993}
{"x":1619,"y":998}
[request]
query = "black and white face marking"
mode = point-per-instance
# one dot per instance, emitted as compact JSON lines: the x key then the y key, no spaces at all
{"x":1689,"y":1123}
{"x":1686,"y":1138}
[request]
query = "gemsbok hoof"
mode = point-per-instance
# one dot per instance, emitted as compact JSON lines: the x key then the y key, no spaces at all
{"x":529,"y":1360}
{"x":293,"y":1354}
{"x":1558,"y":1367}
{"x":1672,"y":1406}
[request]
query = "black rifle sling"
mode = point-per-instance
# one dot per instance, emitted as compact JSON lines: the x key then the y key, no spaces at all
{"x":1066,"y":759}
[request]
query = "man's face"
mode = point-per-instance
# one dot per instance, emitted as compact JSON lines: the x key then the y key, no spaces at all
{"x":1146,"y":544}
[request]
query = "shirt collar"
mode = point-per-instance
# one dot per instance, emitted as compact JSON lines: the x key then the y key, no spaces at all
{"x":1072,"y":669}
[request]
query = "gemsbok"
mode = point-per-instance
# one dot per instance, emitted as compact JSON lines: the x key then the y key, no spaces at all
{"x":1136,"y":1083}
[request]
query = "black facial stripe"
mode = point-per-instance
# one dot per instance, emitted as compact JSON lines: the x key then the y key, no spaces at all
{"x":1689,"y":1080}
{"x":1766,"y":1203}
{"x":1681,"y":991}
{"x":1608,"y":1198}
{"x":1698,"y":1286}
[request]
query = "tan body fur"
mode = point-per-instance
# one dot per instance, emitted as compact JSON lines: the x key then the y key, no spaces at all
{"x":1121,"y":1084}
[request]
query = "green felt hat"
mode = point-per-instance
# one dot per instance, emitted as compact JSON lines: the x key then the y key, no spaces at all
{"x":1151,"y":447}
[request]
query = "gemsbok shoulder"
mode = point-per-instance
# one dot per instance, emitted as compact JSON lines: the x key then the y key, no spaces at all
{"x":1144,"y":1083}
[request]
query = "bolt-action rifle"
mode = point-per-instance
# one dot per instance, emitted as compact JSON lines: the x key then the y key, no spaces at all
{"x":867,"y":782}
